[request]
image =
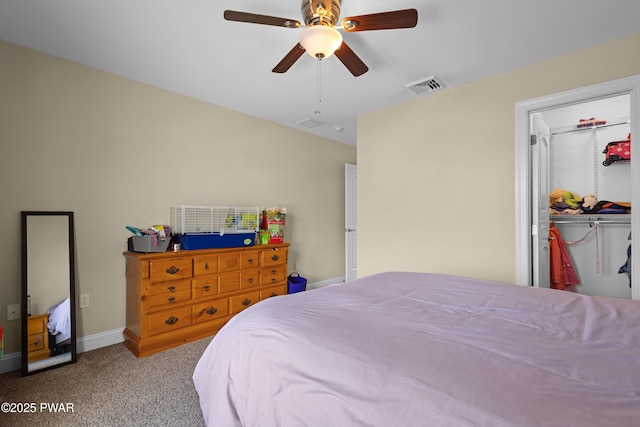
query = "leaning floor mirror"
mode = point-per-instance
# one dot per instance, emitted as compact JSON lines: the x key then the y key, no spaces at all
{"x":48,"y":291}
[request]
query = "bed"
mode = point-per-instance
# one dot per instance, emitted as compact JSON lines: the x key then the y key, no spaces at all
{"x":415,"y":349}
{"x":59,"y":326}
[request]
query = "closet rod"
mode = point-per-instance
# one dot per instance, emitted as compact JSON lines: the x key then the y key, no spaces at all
{"x":586,"y":221}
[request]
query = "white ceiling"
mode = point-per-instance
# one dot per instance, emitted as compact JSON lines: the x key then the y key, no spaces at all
{"x":186,"y":46}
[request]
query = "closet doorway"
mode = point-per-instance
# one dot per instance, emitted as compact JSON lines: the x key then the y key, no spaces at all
{"x":351,"y":221}
{"x":554,"y":150}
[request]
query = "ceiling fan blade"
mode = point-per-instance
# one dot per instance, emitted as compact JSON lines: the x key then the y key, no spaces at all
{"x":252,"y":18}
{"x":407,"y":18}
{"x":351,"y":60}
{"x":289,"y":59}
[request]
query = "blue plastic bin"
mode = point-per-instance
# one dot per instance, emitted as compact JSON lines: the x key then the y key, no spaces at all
{"x":214,"y":240}
{"x":296,"y":283}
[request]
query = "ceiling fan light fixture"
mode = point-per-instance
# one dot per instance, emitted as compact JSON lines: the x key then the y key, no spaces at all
{"x":320,"y":41}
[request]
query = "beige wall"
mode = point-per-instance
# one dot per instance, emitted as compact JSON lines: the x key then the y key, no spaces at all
{"x":436,"y":176}
{"x":117,"y":152}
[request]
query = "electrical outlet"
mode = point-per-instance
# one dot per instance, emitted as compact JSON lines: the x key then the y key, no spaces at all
{"x":13,"y":311}
{"x":84,"y":300}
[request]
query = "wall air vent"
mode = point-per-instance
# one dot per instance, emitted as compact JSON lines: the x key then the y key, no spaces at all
{"x":424,"y":86}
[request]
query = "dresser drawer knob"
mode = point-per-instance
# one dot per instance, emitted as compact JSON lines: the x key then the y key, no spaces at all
{"x":275,"y":257}
{"x":206,"y":265}
{"x":171,"y":288}
{"x":273,"y":271}
{"x":250,"y":260}
{"x":171,"y":300}
{"x":273,"y":279}
{"x":206,"y":288}
{"x":173,"y":270}
{"x":212,"y":310}
{"x":246,"y":302}
{"x":250,"y":280}
{"x":171,"y":320}
{"x":273,"y":294}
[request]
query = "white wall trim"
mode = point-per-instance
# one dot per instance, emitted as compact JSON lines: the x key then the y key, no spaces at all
{"x":13,"y":361}
{"x":101,"y":339}
{"x":10,"y":362}
{"x":327,"y":282}
{"x":630,"y":85}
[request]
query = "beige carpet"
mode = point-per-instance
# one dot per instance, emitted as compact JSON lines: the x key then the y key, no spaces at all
{"x":110,"y":387}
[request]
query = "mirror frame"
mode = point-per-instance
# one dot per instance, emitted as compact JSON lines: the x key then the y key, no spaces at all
{"x":72,"y":290}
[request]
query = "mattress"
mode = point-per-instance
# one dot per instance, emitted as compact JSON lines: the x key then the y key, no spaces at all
{"x":415,"y":349}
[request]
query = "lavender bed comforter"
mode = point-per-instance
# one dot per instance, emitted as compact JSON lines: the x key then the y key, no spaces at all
{"x":413,"y":349}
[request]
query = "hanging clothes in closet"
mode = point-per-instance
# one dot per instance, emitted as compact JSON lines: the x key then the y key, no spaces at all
{"x":563,"y":273}
{"x":588,"y":201}
{"x":626,"y":267}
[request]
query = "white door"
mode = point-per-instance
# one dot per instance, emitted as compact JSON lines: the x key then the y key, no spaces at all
{"x":350,"y":221}
{"x":539,"y":202}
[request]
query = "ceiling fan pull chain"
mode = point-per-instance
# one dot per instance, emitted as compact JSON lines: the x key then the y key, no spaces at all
{"x":319,"y":86}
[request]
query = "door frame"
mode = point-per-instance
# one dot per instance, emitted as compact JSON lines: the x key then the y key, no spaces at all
{"x":350,"y":221}
{"x":523,"y":110}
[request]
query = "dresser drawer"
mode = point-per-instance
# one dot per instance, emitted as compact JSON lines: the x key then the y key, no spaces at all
{"x":249,"y":278}
{"x":170,"y":298}
{"x":273,"y":291}
{"x":250,"y":259}
{"x":169,"y":287}
{"x":229,"y":262}
{"x":207,"y":264}
{"x":169,"y":320}
{"x":240,"y":302}
{"x":273,"y":275}
{"x":170,"y":269}
{"x":206,"y":286}
{"x":210,"y":310}
{"x":36,"y":342}
{"x":273,"y":257}
{"x":145,"y":269}
{"x":36,"y":325}
{"x":228,"y":282}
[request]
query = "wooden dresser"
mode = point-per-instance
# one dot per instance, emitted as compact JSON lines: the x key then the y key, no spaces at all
{"x":177,"y":297}
{"x":38,"y":337}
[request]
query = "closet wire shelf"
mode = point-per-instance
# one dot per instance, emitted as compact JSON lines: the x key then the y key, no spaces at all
{"x":591,"y":219}
{"x":573,"y":128}
{"x":616,"y":121}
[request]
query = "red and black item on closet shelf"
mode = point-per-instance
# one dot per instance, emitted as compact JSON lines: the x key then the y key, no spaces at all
{"x":617,"y":151}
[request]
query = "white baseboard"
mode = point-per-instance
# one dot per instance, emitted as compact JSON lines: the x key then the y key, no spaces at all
{"x":10,"y":362}
{"x":327,"y":282}
{"x":13,"y":361}
{"x":101,"y":339}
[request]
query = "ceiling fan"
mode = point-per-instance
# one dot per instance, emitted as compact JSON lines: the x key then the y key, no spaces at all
{"x":320,"y":38}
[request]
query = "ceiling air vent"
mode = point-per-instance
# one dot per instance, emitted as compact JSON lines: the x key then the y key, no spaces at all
{"x":424,"y":86}
{"x":310,"y":123}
